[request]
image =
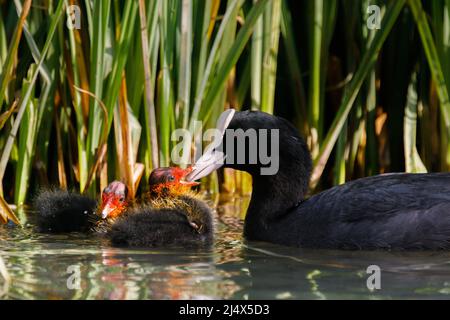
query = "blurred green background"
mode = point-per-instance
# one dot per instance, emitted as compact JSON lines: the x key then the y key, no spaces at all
{"x":365,"y":82}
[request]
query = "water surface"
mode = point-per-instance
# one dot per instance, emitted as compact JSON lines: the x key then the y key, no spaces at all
{"x":38,"y":265}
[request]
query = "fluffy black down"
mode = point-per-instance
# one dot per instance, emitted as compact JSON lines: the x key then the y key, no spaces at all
{"x":60,"y":211}
{"x":150,"y":227}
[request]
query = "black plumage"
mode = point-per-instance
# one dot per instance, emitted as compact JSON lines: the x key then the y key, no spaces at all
{"x":60,"y":211}
{"x":389,"y":211}
{"x":150,"y":226}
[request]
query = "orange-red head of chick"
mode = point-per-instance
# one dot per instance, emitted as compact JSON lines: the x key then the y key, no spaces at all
{"x":170,"y":181}
{"x":114,"y":200}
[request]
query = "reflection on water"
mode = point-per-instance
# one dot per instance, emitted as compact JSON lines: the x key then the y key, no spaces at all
{"x":38,"y":266}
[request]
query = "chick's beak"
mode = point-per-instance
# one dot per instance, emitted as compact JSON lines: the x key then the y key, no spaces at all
{"x":106,"y":209}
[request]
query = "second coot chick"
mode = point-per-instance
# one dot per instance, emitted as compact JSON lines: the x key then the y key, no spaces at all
{"x":61,"y":211}
{"x":172,"y":216}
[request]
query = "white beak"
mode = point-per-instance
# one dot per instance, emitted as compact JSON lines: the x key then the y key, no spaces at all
{"x":212,"y":159}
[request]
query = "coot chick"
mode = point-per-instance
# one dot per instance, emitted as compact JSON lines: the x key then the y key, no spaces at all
{"x":61,"y":211}
{"x":172,"y":216}
{"x":391,"y":211}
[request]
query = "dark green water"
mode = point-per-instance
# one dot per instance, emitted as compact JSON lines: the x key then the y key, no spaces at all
{"x":232,"y":269}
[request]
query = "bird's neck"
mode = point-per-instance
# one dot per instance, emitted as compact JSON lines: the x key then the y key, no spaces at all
{"x":272,"y":198}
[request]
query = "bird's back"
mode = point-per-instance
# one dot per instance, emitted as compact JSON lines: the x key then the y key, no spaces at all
{"x":164,"y":223}
{"x":390,"y":211}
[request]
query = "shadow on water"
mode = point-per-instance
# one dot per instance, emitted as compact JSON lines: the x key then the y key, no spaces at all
{"x":77,"y":266}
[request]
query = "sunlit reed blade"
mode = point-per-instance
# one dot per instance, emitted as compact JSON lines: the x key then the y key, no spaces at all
{"x":7,"y":67}
{"x":148,"y":92}
{"x":6,"y":213}
{"x":5,"y":115}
